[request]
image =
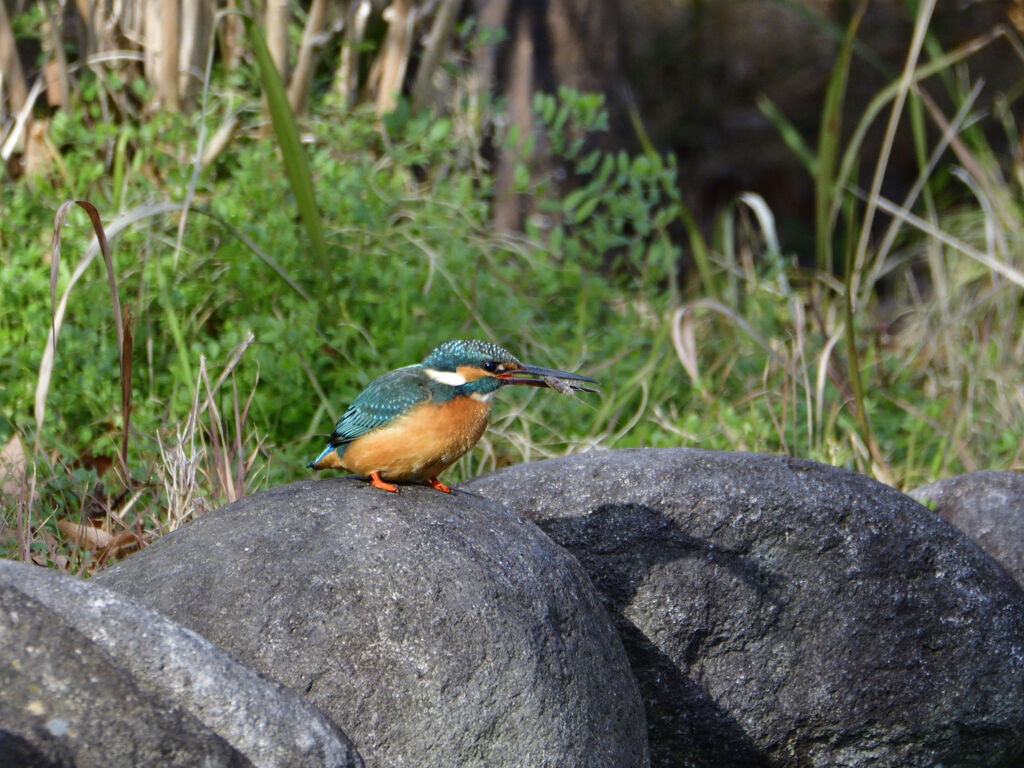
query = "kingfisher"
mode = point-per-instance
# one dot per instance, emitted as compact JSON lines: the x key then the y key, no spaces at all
{"x":411,"y":424}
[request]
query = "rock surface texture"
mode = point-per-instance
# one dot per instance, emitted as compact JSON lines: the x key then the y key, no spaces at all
{"x":779,"y":612}
{"x":434,"y":629}
{"x":989,"y":507}
{"x":89,"y":678}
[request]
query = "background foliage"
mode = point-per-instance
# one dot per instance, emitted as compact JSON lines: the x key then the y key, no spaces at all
{"x":894,"y":349}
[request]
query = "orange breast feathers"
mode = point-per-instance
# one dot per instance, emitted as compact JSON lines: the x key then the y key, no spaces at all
{"x":422,"y":443}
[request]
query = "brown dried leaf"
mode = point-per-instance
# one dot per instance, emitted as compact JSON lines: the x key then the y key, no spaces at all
{"x":85,"y":536}
{"x":125,"y":542}
{"x":12,"y":468}
{"x":99,"y":463}
{"x":52,"y":556}
{"x":52,"y":76}
{"x":684,"y":339}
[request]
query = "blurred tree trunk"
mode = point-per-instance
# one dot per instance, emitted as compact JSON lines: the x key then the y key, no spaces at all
{"x":346,"y":77}
{"x":440,"y":38}
{"x":58,"y":82}
{"x":176,"y":43}
{"x":551,"y":43}
{"x":100,"y":22}
{"x":275,"y":28}
{"x":510,"y":209}
{"x":168,"y":34}
{"x":298,"y":89}
{"x":14,"y":86}
{"x":232,"y":37}
{"x":196,"y":36}
{"x":394,"y":56}
{"x":275,"y":22}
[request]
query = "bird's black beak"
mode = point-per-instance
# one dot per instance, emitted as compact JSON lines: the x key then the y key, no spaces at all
{"x":561,"y":381}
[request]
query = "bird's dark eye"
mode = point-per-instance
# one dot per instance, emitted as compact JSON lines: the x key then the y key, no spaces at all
{"x":491,"y":366}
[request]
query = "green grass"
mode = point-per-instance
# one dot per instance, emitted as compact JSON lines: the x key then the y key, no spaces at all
{"x":247,"y":344}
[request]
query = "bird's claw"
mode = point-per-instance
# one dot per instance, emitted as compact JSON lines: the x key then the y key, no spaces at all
{"x":378,"y":483}
{"x":435,"y":483}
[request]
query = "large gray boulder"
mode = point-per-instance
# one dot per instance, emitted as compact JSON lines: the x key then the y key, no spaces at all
{"x":989,"y":507}
{"x":89,"y":678}
{"x":779,"y":612}
{"x":433,"y":628}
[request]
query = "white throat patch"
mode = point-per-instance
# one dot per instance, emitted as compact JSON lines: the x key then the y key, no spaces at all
{"x":483,"y":397}
{"x":451,"y":378}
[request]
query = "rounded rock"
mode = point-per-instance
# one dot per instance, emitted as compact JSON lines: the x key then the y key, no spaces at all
{"x":90,"y":678}
{"x":780,"y":612}
{"x":988,"y":506}
{"x":435,"y":629}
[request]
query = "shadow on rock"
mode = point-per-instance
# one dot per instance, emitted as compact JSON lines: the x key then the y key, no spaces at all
{"x":778,"y":611}
{"x":623,"y":543}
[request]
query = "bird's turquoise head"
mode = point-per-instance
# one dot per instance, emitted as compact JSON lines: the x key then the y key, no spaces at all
{"x":469,"y":366}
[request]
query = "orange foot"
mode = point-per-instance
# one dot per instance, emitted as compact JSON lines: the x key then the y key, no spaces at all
{"x":435,"y":483}
{"x":378,"y":483}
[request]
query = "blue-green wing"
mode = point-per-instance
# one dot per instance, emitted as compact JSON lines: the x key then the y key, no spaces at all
{"x":385,"y":398}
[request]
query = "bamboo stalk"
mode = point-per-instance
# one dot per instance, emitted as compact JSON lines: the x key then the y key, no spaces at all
{"x":440,"y":34}
{"x":275,"y":22}
{"x":232,"y":37}
{"x":394,"y":57}
{"x":347,"y":75}
{"x":57,"y":66}
{"x":298,"y":89}
{"x":196,"y":34}
{"x":167,"y":87}
{"x":10,"y":65}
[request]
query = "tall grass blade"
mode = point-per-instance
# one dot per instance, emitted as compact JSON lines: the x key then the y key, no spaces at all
{"x":857,"y":270}
{"x":826,"y":191}
{"x":101,"y":238}
{"x":197,"y":163}
{"x":16,"y":131}
{"x":698,"y":245}
{"x":907,"y":78}
{"x":249,"y":243}
{"x":949,"y":133}
{"x":851,"y":156}
{"x":1007,"y":271}
{"x":699,"y":249}
{"x":288,"y":140}
{"x":836,"y":32}
{"x":766,"y":220}
{"x":57,"y":315}
{"x":789,"y":133}
{"x":127,"y":343}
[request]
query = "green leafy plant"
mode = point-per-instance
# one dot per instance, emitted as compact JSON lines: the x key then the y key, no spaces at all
{"x":245,"y":349}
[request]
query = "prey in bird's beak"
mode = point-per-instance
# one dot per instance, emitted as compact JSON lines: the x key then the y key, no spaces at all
{"x":560,"y":381}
